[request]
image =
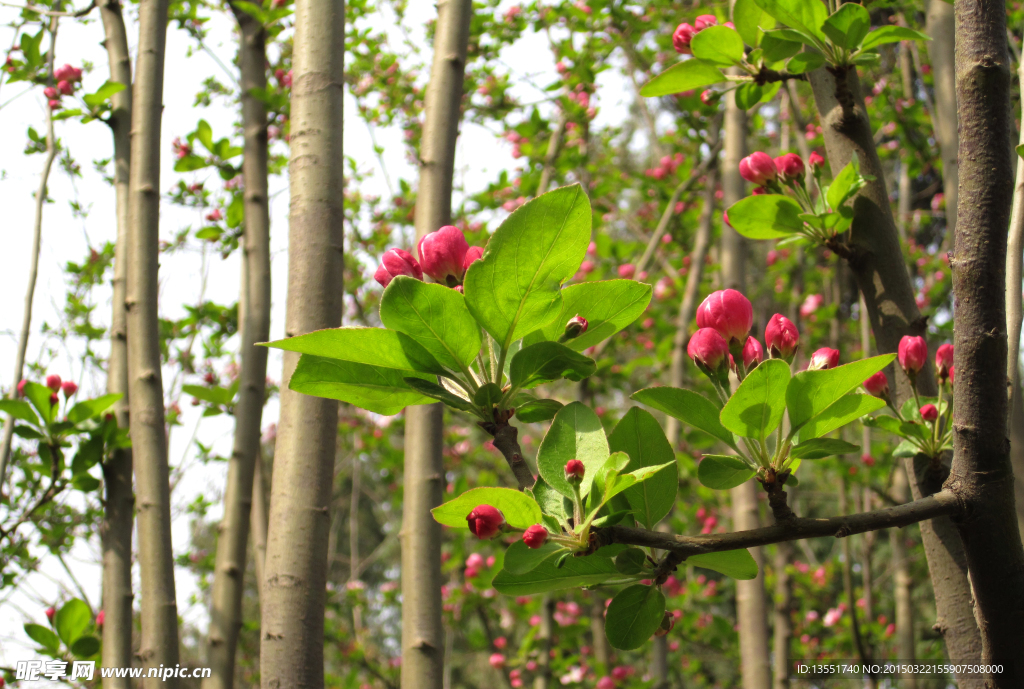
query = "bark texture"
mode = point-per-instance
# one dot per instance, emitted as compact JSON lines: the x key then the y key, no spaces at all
{"x":293,"y":592}
{"x":940,"y":51}
{"x":116,"y":530}
{"x":981,"y":475}
{"x":146,"y":395}
{"x":1014,"y":312}
{"x":254,"y":317}
{"x":782,"y":629}
{"x":902,"y":585}
{"x":422,"y":628}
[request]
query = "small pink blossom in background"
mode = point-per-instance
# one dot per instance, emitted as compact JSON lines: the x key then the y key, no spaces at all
{"x":627,"y":270}
{"x":811,"y":304}
{"x":811,"y":615}
{"x":832,"y":616}
{"x":496,"y":660}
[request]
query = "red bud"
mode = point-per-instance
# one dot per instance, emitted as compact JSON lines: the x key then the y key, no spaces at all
{"x":535,"y":536}
{"x":485,"y":521}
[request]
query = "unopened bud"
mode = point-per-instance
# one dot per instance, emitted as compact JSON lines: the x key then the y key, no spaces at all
{"x":574,"y":471}
{"x":576,"y":326}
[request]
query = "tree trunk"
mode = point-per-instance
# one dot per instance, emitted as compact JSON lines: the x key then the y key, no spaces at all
{"x":146,"y":394}
{"x":981,"y":474}
{"x":293,"y":593}
{"x":116,"y":530}
{"x":940,"y":51}
{"x":783,"y":628}
{"x":879,"y":268}
{"x":547,"y":625}
{"x":422,"y":628}
{"x":902,"y":585}
{"x":254,"y":327}
{"x":258,"y":523}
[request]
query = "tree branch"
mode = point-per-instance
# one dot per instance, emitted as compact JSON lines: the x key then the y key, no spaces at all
{"x":506,"y":439}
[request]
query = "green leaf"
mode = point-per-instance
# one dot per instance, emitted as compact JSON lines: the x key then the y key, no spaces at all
{"x":630,"y":561}
{"x":1020,"y":150}
{"x":816,"y":448}
{"x":683,"y":76}
{"x":89,"y":454}
{"x":20,"y":410}
{"x":847,"y":183}
{"x":846,"y":409}
{"x":435,"y":316}
{"x":205,"y":135}
{"x":39,"y":396}
{"x":575,"y":572}
{"x":756,"y":408}
{"x":488,"y":396}
{"x":438,"y":392}
{"x":736,"y":564}
{"x":848,"y":26}
{"x":43,"y":636}
{"x":640,"y":436}
{"x":804,"y":16}
{"x":609,"y":306}
{"x":103,"y":93}
{"x":550,"y":500}
{"x":548,"y":361}
{"x":213,"y":233}
{"x":236,"y":211}
{"x":767,"y":216}
{"x":537,"y":410}
{"x":891,"y":34}
{"x":722,"y":472}
{"x":751,"y":21}
{"x":520,"y":510}
{"x":374,"y":388}
{"x":776,"y":47}
{"x":889,"y":423}
{"x":906,"y":448}
{"x":215,"y":395}
{"x":190,"y":163}
{"x":85,"y":647}
{"x":748,"y":94}
{"x":575,"y":433}
{"x":371,"y":346}
{"x":811,"y":393}
{"x":90,"y":409}
{"x":804,"y":62}
{"x":520,"y":559}
{"x":634,"y":614}
{"x":719,"y":45}
{"x":515,"y":287}
{"x":28,"y":433}
{"x":71,"y":620}
{"x":691,"y":408}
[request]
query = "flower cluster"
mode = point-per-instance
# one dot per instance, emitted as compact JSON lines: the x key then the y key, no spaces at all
{"x":684,"y":33}
{"x":444,"y":255}
{"x":66,"y":77}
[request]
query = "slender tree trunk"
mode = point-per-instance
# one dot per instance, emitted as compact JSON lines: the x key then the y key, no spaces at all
{"x":116,"y":530}
{"x":783,"y":628}
{"x":904,"y":191}
{"x":981,"y":474}
{"x":867,"y":548}
{"x":863,"y":651}
{"x":547,"y":624}
{"x":258,"y":523}
{"x":226,"y":599}
{"x":422,"y":628}
{"x":602,"y":650}
{"x":877,"y":262}
{"x":293,"y":592}
{"x":902,"y":585}
{"x":940,"y":51}
{"x":146,"y":394}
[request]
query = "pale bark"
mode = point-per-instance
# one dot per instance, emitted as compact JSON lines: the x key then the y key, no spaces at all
{"x":863,"y":651}
{"x":258,"y":523}
{"x":602,"y":649}
{"x":116,"y":530}
{"x":782,"y":629}
{"x":981,"y":475}
{"x":547,"y":624}
{"x":902,"y":585}
{"x":904,"y":192}
{"x":295,"y":573}
{"x":940,"y":51}
{"x":254,"y":327}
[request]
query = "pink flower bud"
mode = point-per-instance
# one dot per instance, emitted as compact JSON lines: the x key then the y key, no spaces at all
{"x":812,"y":302}
{"x":21,"y":387}
{"x":443,"y":255}
{"x":728,"y":312}
{"x":709,"y":348}
{"x":929,"y":412}
{"x":753,"y":353}
{"x":535,"y":536}
{"x":496,"y":660}
{"x":100,"y":616}
{"x":823,"y":359}
{"x":53,"y":382}
{"x":54,"y":104}
{"x":781,"y":337}
{"x":708,"y":97}
{"x":943,"y":361}
{"x":912,"y":353}
{"x":867,"y":460}
{"x":667,"y":622}
{"x":485,"y":521}
{"x":50,"y":612}
{"x":627,"y":270}
{"x":69,"y":388}
{"x":51,"y":92}
{"x":790,"y":167}
{"x":574,"y":471}
{"x":474,"y":254}
{"x":65,"y":87}
{"x":587,"y":267}
{"x":475,"y":560}
{"x":606,"y":682}
{"x":681,"y":38}
{"x":64,"y":72}
{"x":576,"y":326}
{"x":397,"y":262}
{"x":704,"y":21}
{"x":878,"y":385}
{"x":758,"y":168}
{"x":815,"y":161}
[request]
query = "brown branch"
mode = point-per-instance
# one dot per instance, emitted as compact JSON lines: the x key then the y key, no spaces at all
{"x":506,"y":440}
{"x":769,"y":76}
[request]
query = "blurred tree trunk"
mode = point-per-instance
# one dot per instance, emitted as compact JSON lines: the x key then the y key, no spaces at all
{"x":902,"y":585}
{"x":254,"y":327}
{"x":295,"y":572}
{"x":146,"y":395}
{"x":422,"y":628}
{"x":116,"y":530}
{"x":940,"y":51}
{"x":782,"y":630}
{"x":258,"y":522}
{"x":981,"y":473}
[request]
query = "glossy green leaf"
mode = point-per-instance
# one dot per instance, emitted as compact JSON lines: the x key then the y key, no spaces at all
{"x":633,"y":616}
{"x":847,"y":183}
{"x":488,"y":396}
{"x":817,"y":448}
{"x":214,"y":395}
{"x":516,"y":287}
{"x":43,"y":636}
{"x":767,"y":216}
{"x":374,"y":388}
{"x":804,"y":16}
{"x":190,"y":163}
{"x":520,"y":559}
{"x":537,"y":410}
{"x":848,"y":26}
{"x":521,"y":511}
{"x":575,"y":572}
{"x":776,"y":47}
{"x":39,"y":396}
{"x":683,"y":76}
{"x":371,"y":346}
{"x":846,"y":409}
{"x":906,"y":448}
{"x":71,"y":620}
{"x":810,"y":393}
{"x":550,"y":501}
{"x":736,"y":564}
{"x":103,"y":93}
{"x":690,"y":407}
{"x":888,"y":423}
{"x":641,"y":437}
{"x":438,"y":392}
{"x":85,"y":647}
{"x":548,"y":361}
{"x":631,"y":561}
{"x":205,"y":135}
{"x":722,"y":472}
{"x":20,"y":410}
{"x":751,"y":21}
{"x":892,"y":34}
{"x":575,"y":433}
{"x":719,"y":45}
{"x":608,"y":305}
{"x":756,"y":408}
{"x":748,"y":94}
{"x":804,"y":62}
{"x":433,"y":315}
